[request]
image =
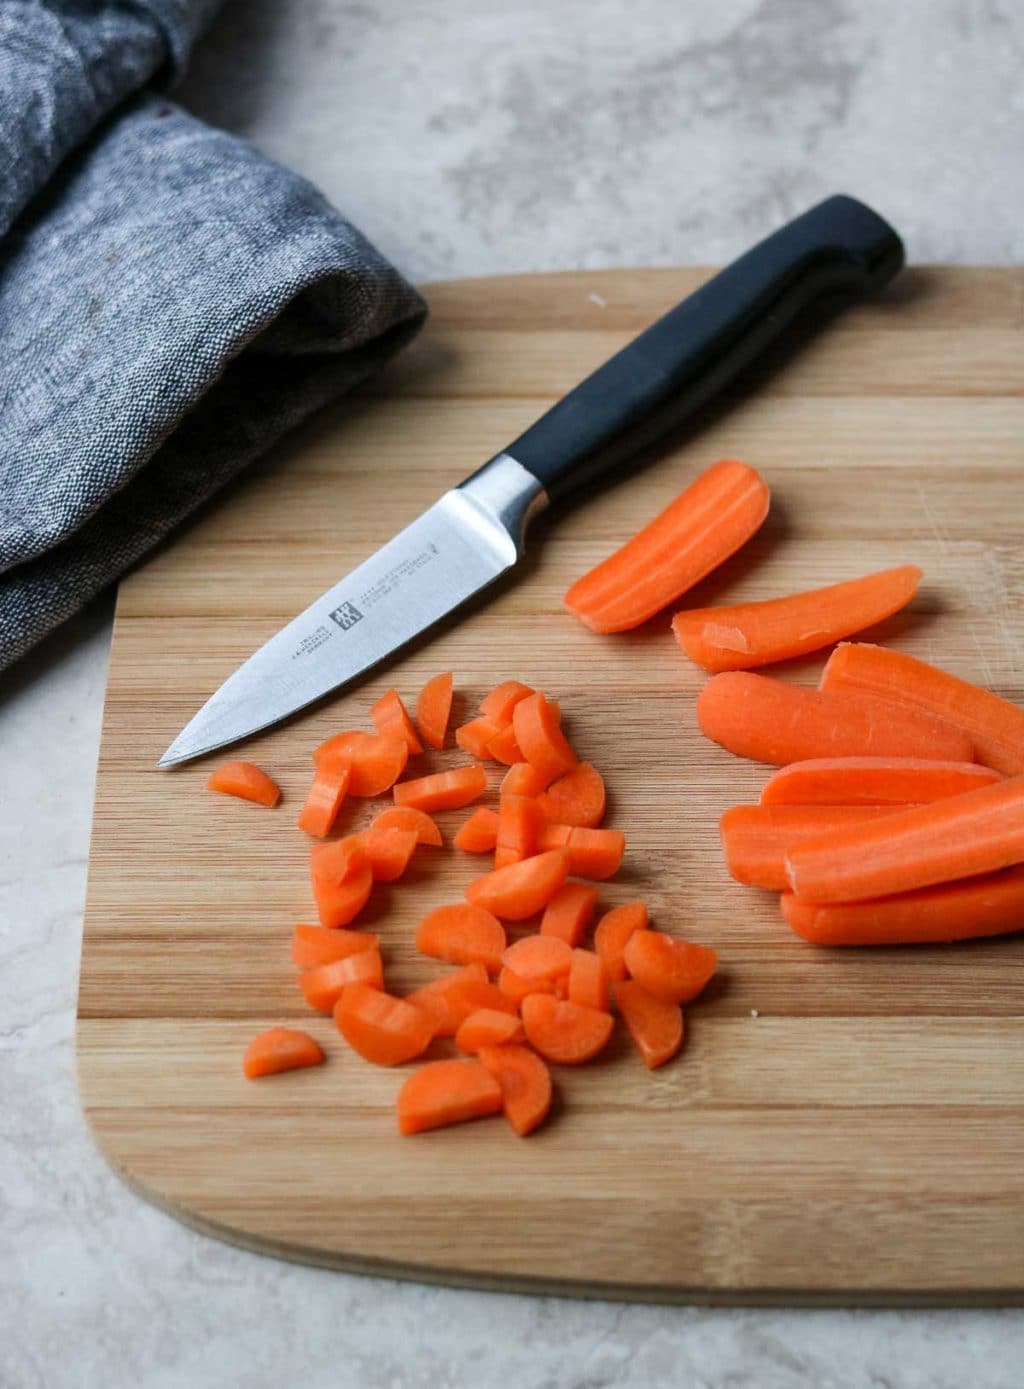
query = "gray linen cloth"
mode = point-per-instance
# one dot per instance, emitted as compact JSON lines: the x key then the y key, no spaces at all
{"x":171,"y":302}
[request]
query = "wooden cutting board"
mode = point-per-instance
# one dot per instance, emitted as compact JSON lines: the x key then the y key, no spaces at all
{"x":845,"y":1126}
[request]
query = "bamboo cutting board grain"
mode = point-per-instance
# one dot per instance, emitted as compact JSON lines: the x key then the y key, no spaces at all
{"x":841,"y":1125}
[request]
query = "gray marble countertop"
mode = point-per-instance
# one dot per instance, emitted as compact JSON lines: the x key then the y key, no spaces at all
{"x":470,"y":139}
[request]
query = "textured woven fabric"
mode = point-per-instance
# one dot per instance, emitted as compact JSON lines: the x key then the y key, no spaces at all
{"x":170,"y":302}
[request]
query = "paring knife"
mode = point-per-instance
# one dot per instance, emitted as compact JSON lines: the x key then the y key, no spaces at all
{"x":476,"y":532}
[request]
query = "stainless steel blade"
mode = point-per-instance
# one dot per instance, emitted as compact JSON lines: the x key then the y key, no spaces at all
{"x":467,"y":539}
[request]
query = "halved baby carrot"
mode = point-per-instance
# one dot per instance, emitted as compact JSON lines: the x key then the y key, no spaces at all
{"x":433,"y":709}
{"x":675,"y":970}
{"x":705,"y":524}
{"x":522,"y":779}
{"x":435,"y":999}
{"x":478,"y":834}
{"x":521,"y":889}
{"x":392,"y":719}
{"x":565,"y":1032}
{"x":757,"y":838}
{"x":994,"y":725}
{"x":443,"y":790}
{"x":503,"y":746}
{"x":613,"y":932}
{"x":462,"y":933}
{"x":525,"y":1084}
{"x":446,"y":1092}
{"x":319,"y":945}
{"x":324,"y":800}
{"x":594,"y":854}
{"x":520,"y":822}
{"x":381,"y":1028}
{"x":323,"y":986}
{"x":756,"y":634}
{"x":389,"y":852}
{"x":246,"y":781}
{"x":588,"y":980}
{"x":540,"y":736}
{"x":404,"y":817}
{"x":992,"y":905}
{"x":375,"y":762}
{"x":280,"y":1049}
{"x":771,"y":721}
{"x":655,"y":1025}
{"x":538,"y":957}
{"x":576,"y":798}
{"x":873,"y":781}
{"x":488,"y":1027}
{"x":960,"y":837}
{"x":474,"y":736}
{"x":498,"y":705}
{"x":569,"y":913}
{"x":515,"y":987}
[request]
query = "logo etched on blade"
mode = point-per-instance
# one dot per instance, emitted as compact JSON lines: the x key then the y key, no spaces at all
{"x":346,"y":616}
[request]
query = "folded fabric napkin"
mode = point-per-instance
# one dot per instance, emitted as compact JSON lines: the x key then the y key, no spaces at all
{"x":171,"y":302}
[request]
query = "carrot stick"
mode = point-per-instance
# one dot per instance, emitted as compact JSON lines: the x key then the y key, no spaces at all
{"x":655,"y":1025}
{"x":324,"y":801}
{"x":499,"y":704}
{"x":994,"y":725}
{"x":705,"y":524}
{"x":588,"y":980}
{"x":577,"y":798}
{"x":503,"y":746}
{"x":474,"y":736}
{"x":389,"y":852}
{"x":246,"y":781}
{"x":594,"y":854}
{"x":375,"y":762}
{"x":462,"y":934}
{"x":771,"y":721}
{"x":569,"y":913}
{"x":538,"y":957}
{"x":960,"y":837}
{"x":673,"y":970}
{"x":520,"y":821}
{"x":323,"y":986}
{"x":525,"y":1084}
{"x":404,"y":817}
{"x":565,"y":1032}
{"x":446,"y":1092}
{"x":613,"y":931}
{"x":382,"y":1029}
{"x":433,"y":709}
{"x":523,"y":780}
{"x":873,"y":781}
{"x":757,"y":838}
{"x":479,"y":834}
{"x":435,"y":998}
{"x":488,"y":1027}
{"x":756,"y":634}
{"x":318,"y":945}
{"x":280,"y":1049}
{"x":539,"y":735}
{"x":992,"y":905}
{"x":392,"y":719}
{"x":443,"y":790}
{"x":521,"y":889}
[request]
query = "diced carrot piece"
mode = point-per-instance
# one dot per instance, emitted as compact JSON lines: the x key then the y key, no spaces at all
{"x":392,"y":719}
{"x":404,"y":817}
{"x":569,"y":913}
{"x":873,"y":781}
{"x":375,"y":762}
{"x":674,"y":970}
{"x":588,"y":980}
{"x":520,"y":821}
{"x":613,"y":931}
{"x":340,"y":860}
{"x":461,"y":934}
{"x":757,"y":838}
{"x":381,"y":1028}
{"x":521,"y":889}
{"x":525,"y":1084}
{"x":515,"y":987}
{"x":479,"y":834}
{"x":488,"y":1027}
{"x":565,"y":1032}
{"x":577,"y":798}
{"x":474,"y":736}
{"x":446,"y":1092}
{"x":323,"y":986}
{"x":522,"y":779}
{"x":339,"y":903}
{"x":318,"y":945}
{"x":434,"y":998}
{"x":280,"y":1049}
{"x":389,"y":852}
{"x":324,"y":800}
{"x":540,"y":737}
{"x":504,"y":747}
{"x":538,"y":957}
{"x":594,"y":854}
{"x":467,"y":996}
{"x":655,"y":1025}
{"x":443,"y":790}
{"x":498,"y":705}
{"x":433,"y":709}
{"x":246,"y":781}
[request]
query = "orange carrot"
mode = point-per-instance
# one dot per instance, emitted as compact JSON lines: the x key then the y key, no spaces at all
{"x":538,"y":957}
{"x":540,"y":736}
{"x":770,"y":721}
{"x":324,"y":800}
{"x":375,"y":762}
{"x":520,"y":821}
{"x":404,"y":817}
{"x":446,"y":1092}
{"x":992,"y":905}
{"x":873,"y":781}
{"x":613,"y":932}
{"x":474,"y":736}
{"x":433,"y":709}
{"x":462,"y":933}
{"x":674,"y":970}
{"x":479,"y":834}
{"x":960,"y":837}
{"x":317,"y":945}
{"x":565,"y":1032}
{"x":499,"y":704}
{"x":245,"y":780}
{"x":340,"y":860}
{"x":342,"y":880}
{"x":280,"y":1049}
{"x":756,"y":634}
{"x":488,"y":1027}
{"x":655,"y":1025}
{"x":588,"y":980}
{"x":577,"y":798}
{"x":594,"y":854}
{"x":705,"y":524}
{"x":994,"y":725}
{"x":757,"y":838}
{"x":569,"y":913}
{"x":504,"y":747}
{"x":392,"y":719}
{"x":435,"y":999}
{"x":515,"y":987}
{"x":465,"y":996}
{"x":389,"y":852}
{"x":323,"y":986}
{"x":523,"y":780}
{"x":443,"y":790}
{"x":525,"y":1084}
{"x":382,"y":1029}
{"x":521,"y":889}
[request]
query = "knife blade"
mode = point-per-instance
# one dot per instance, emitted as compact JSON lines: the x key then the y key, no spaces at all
{"x":476,"y":531}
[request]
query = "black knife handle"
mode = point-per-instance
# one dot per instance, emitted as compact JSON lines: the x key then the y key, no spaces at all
{"x":839,"y":246}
